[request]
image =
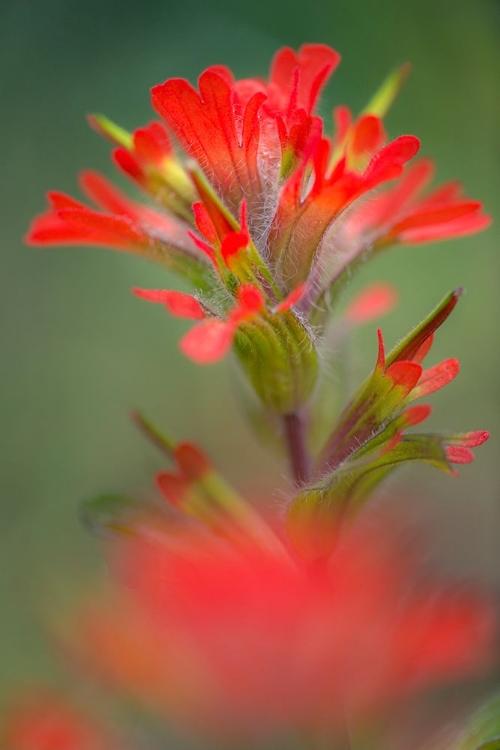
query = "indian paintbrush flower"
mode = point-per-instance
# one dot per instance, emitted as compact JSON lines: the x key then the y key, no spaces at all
{"x":232,"y":623}
{"x":254,"y":211}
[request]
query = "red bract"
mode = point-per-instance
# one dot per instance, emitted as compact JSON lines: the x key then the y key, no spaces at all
{"x":242,"y":641}
{"x":119,"y":223}
{"x":212,"y":339}
{"x":232,"y":128}
{"x":403,"y":215}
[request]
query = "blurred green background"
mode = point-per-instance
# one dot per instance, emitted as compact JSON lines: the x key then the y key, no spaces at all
{"x":79,"y":352}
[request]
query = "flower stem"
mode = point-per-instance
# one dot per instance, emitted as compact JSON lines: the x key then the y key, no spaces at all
{"x":298,"y":454}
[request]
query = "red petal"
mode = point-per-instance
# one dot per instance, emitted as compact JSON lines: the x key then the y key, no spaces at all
{"x":208,"y":342}
{"x":203,"y":246}
{"x":472,"y":439}
{"x":458,"y":454}
{"x":61,"y":200}
{"x":152,"y":143}
{"x":437,"y":377}
{"x":232,"y":244}
{"x":106,"y":195}
{"x":314,"y":62}
{"x":420,"y":353}
{"x":177,"y":303}
{"x":129,"y":164}
{"x":387,"y":207}
{"x":250,"y":133}
{"x":368,"y":135}
{"x":431,"y":217}
{"x":115,"y":231}
{"x":372,"y":302}
{"x":465,"y":225}
{"x":404,"y":374}
{"x":416,"y":414}
{"x":343,"y":120}
{"x":250,"y":299}
{"x":204,"y":222}
{"x":389,"y":161}
{"x":49,"y":229}
{"x":206,"y":128}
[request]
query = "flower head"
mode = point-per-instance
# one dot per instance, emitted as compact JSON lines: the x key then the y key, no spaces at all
{"x":260,"y":202}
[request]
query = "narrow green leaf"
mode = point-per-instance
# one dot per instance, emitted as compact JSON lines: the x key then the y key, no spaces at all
{"x":106,"y":127}
{"x":384,"y":98}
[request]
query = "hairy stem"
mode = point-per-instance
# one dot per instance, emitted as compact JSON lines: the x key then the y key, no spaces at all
{"x":298,"y":453}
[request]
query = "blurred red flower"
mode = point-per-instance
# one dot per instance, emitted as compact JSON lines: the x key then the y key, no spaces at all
{"x":242,"y":641}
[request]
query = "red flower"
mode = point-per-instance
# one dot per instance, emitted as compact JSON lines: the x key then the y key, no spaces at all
{"x":240,"y":641}
{"x":273,"y":189}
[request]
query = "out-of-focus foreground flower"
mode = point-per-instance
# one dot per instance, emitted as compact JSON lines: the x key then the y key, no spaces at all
{"x":240,"y":641}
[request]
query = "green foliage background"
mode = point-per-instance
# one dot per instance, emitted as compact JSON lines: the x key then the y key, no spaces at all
{"x":79,"y":352}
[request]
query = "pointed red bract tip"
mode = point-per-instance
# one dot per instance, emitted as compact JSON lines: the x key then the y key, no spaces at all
{"x":381,"y":351}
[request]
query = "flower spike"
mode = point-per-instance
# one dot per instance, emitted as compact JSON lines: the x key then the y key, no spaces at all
{"x":266,"y":216}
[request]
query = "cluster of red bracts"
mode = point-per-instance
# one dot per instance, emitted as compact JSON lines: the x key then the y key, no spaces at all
{"x":260,"y":147}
